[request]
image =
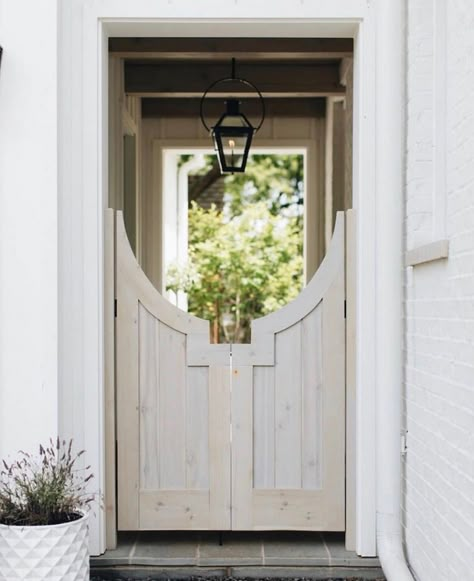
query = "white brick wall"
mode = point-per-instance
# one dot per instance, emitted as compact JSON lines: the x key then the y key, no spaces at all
{"x":439,"y":389}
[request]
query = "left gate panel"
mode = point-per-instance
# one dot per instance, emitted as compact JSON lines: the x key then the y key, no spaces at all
{"x":173,"y":412}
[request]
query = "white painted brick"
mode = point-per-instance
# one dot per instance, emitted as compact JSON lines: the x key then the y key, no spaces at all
{"x":438,"y":499}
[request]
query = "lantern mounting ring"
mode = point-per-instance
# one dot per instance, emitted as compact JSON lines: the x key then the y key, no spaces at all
{"x":233,"y":79}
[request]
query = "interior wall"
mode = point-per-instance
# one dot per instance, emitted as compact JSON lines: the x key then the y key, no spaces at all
{"x":158,"y":133}
{"x":347,"y":79}
{"x":335,"y":163}
{"x":124,"y":122}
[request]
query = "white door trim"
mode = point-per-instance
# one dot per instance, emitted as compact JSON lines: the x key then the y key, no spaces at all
{"x":83,"y":162}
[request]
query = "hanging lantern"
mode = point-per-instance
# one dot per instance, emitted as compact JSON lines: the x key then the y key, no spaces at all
{"x":232,"y":134}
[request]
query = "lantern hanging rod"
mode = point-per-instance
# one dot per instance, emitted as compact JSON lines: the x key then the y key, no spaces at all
{"x":232,"y":79}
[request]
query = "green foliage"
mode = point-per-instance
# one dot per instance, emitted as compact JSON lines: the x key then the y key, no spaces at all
{"x":45,"y":490}
{"x":240,"y":267}
{"x":276,"y":180}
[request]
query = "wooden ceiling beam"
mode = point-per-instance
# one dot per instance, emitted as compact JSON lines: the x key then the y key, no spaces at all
{"x":225,"y":48}
{"x":305,"y":107}
{"x":179,"y":79}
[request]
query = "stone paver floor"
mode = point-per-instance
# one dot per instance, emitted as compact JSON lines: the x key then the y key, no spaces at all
{"x":266,"y":555}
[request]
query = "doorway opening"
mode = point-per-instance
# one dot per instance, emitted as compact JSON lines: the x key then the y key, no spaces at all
{"x":312,"y":131}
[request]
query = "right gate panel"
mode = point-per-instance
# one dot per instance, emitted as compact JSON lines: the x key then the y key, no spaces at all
{"x":288,"y":410}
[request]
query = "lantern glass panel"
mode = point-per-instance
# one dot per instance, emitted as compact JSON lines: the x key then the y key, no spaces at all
{"x":233,"y":149}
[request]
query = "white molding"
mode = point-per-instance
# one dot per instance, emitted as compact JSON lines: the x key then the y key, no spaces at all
{"x":364,"y":196}
{"x":427,"y":253}
{"x":84,"y":287}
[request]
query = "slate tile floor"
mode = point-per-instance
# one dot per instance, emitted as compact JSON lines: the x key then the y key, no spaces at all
{"x":241,"y":554}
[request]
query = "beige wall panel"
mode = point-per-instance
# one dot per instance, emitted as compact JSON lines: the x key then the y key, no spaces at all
{"x":295,"y":128}
{"x":173,"y":128}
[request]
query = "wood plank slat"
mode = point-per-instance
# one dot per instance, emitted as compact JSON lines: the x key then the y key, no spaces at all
{"x":128,"y":436}
{"x":334,"y":396}
{"x":219,"y":447}
{"x":242,"y":448}
{"x":197,"y":428}
{"x":288,"y":408}
{"x":264,"y":427}
{"x":172,"y":418}
{"x":312,"y":386}
{"x":149,"y":394}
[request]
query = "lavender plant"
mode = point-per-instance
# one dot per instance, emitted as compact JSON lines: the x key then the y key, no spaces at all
{"x":45,"y":489}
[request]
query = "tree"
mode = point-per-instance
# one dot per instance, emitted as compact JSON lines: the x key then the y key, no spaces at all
{"x":276,"y":180}
{"x":240,"y":267}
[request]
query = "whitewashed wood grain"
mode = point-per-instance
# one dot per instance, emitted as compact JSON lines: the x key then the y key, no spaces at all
{"x":172,"y":418}
{"x":149,"y":368}
{"x":219,"y":448}
{"x":174,"y":510}
{"x":312,"y":380}
{"x":334,"y":395}
{"x":197,"y":428}
{"x":128,"y":436}
{"x":264,"y":427}
{"x":288,"y":408}
{"x":300,"y":510}
{"x":199,"y":351}
{"x":242,"y":448}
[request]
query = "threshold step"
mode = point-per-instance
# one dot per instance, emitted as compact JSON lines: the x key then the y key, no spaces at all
{"x":237,"y":574}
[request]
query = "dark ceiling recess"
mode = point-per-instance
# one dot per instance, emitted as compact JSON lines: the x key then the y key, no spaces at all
{"x":294,"y":74}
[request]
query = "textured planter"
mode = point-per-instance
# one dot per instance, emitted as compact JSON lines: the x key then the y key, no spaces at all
{"x":49,"y":553}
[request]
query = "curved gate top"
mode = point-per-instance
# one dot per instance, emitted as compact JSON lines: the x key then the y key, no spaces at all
{"x":220,"y":437}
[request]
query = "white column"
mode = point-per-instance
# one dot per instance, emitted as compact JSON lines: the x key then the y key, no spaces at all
{"x":28,"y":224}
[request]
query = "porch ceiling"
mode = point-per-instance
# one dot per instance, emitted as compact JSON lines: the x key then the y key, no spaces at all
{"x":294,"y":74}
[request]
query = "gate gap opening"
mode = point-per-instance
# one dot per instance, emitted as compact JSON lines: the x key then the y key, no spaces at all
{"x":234,"y":244}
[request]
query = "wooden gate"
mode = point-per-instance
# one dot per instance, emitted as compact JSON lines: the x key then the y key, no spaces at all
{"x":242,"y":437}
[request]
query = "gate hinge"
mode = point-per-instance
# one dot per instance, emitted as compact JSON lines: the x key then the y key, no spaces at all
{"x":115,"y":308}
{"x":345,"y":309}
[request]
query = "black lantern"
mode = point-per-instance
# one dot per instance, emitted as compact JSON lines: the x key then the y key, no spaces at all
{"x":232,"y":134}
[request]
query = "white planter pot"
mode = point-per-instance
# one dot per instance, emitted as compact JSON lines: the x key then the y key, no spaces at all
{"x":49,"y":553}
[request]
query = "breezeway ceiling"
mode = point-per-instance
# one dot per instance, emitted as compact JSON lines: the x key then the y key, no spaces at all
{"x":294,"y":74}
